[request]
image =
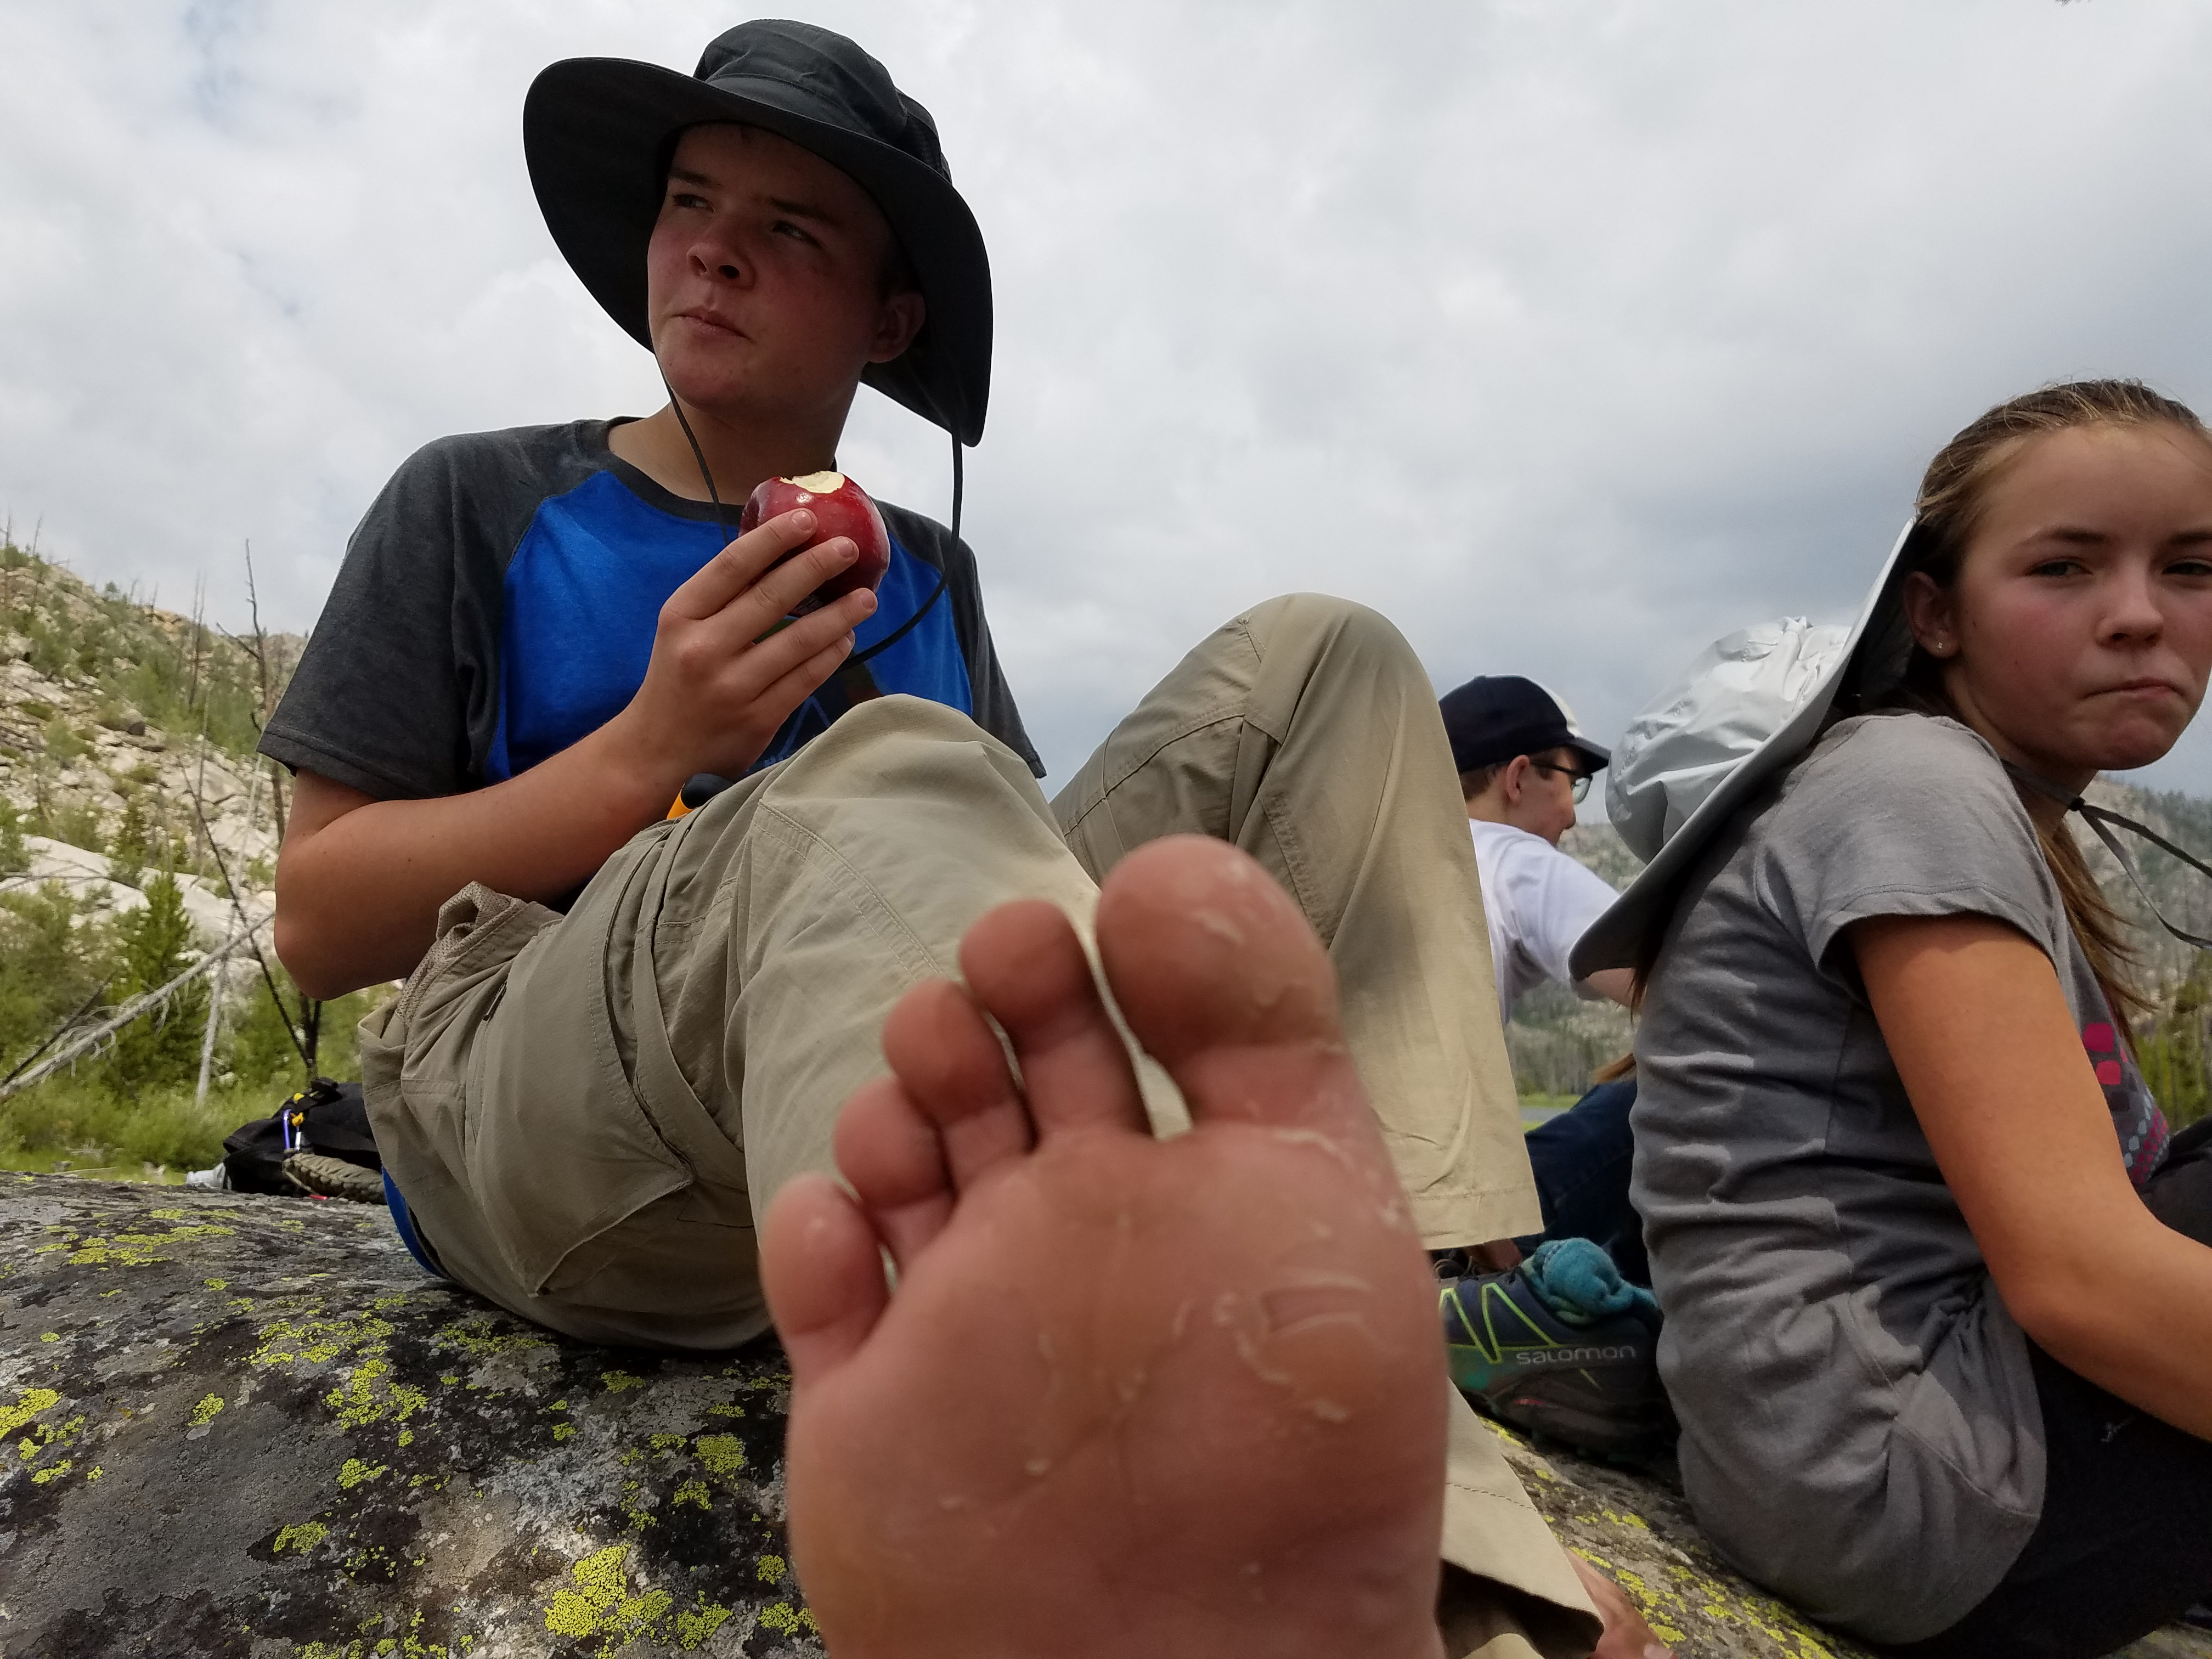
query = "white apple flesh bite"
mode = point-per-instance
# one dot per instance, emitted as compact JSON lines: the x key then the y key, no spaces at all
{"x":841,"y":508}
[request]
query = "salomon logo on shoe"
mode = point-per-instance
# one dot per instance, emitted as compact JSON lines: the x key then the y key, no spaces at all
{"x":1595,"y":1386}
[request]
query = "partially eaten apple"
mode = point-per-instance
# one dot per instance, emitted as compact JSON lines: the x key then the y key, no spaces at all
{"x":841,"y":508}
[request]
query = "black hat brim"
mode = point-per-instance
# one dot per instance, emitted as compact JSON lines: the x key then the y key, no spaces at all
{"x":1599,"y":758}
{"x":596,"y":132}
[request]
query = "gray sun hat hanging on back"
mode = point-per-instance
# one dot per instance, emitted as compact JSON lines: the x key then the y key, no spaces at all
{"x":598,"y":132}
{"x":1750,"y":704}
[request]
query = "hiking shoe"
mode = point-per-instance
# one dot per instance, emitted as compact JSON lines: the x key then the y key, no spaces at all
{"x":333,"y":1177}
{"x":1595,"y":1386}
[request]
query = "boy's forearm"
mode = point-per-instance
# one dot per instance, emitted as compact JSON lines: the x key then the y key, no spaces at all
{"x":360,"y":880}
{"x":358,"y":897}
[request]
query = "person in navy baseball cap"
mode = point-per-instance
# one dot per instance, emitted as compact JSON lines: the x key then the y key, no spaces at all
{"x":1523,"y":766}
{"x":1495,"y":717}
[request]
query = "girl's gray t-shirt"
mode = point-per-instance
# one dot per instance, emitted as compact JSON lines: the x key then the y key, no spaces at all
{"x":1860,"y":1426}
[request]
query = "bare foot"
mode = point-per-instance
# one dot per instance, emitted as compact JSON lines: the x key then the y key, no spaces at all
{"x":1132,"y":1396}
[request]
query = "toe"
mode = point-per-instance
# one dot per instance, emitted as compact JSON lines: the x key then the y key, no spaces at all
{"x":1025,"y":965}
{"x":823,"y":1272}
{"x":955,"y":1073}
{"x":891,"y":1156}
{"x":1223,"y":980}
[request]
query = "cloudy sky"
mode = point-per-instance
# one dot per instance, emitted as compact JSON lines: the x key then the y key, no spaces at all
{"x":1570,"y":333}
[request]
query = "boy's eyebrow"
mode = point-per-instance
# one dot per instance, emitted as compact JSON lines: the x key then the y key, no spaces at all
{"x":803,"y":210}
{"x":782,"y":204}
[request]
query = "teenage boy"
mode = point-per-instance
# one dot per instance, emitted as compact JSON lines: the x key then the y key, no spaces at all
{"x":1524,"y":766}
{"x":622,"y":1033}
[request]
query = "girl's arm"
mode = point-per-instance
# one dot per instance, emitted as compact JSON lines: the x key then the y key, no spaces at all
{"x":1988,"y":1050}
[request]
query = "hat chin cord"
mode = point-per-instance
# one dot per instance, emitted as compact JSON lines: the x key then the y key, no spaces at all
{"x":722,"y":520}
{"x":2101,"y":822}
{"x":705,"y":477}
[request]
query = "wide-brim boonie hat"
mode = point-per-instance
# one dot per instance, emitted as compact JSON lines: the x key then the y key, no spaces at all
{"x":597,"y":133}
{"x":1871,"y":660}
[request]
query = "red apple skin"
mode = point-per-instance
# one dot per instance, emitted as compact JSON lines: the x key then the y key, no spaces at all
{"x":841,"y":508}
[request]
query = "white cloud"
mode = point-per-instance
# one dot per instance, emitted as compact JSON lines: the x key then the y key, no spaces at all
{"x":1571,"y":334}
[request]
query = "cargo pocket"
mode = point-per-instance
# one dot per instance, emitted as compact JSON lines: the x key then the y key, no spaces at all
{"x":559,"y":1151}
{"x":681,"y":1269}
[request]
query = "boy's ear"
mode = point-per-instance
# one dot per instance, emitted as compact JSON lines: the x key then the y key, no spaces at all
{"x":1515,"y":779}
{"x":897,"y":323}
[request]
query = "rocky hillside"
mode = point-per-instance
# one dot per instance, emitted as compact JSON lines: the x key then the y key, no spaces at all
{"x":126,"y":740}
{"x":137,"y":831}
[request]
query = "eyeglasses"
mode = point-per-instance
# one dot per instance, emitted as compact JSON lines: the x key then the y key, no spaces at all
{"x":1582,"y":780}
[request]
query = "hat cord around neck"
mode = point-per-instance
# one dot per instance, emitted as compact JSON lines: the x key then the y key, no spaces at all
{"x":705,"y":477}
{"x":944,"y":577}
{"x":2101,"y":822}
{"x":722,"y":519}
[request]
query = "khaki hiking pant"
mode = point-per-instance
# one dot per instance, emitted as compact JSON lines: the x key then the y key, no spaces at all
{"x":587,"y":1114}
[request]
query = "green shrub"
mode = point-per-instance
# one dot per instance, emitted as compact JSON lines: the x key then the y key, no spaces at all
{"x":55,"y":953}
{"x":49,"y":653}
{"x":2173,"y":1049}
{"x":77,"y":825}
{"x":134,"y":1105}
{"x":15,"y":856}
{"x":63,"y":744}
{"x":81,"y":1121}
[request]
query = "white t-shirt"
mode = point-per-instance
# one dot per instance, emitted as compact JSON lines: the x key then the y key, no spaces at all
{"x":1537,"y":902}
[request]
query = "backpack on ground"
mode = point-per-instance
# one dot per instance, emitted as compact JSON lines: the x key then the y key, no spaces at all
{"x":319,"y":1141}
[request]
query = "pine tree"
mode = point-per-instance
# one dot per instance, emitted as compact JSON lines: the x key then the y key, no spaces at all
{"x":135,"y":839}
{"x":154,"y":945}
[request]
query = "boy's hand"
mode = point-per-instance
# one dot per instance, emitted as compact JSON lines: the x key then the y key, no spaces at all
{"x":720,"y":683}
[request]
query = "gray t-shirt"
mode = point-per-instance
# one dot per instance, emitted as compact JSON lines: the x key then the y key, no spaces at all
{"x":1860,"y":1426}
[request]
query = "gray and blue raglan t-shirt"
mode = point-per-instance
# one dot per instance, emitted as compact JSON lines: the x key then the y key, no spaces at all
{"x":499,"y":600}
{"x":1860,"y":1426}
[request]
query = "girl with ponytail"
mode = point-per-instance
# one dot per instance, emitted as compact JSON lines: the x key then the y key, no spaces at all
{"x":1938,"y":1281}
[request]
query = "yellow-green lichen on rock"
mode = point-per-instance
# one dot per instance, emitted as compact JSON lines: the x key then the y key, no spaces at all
{"x":274,"y":1437}
{"x":1635,"y":1527}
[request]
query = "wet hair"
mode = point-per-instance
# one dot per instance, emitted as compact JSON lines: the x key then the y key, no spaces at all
{"x":1953,"y":498}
